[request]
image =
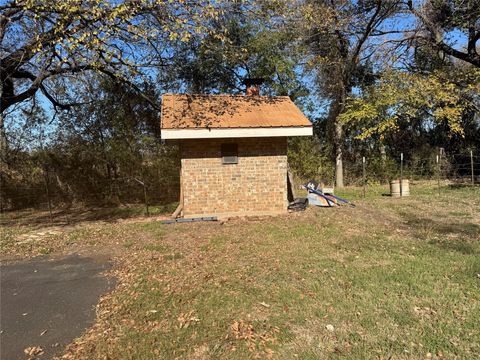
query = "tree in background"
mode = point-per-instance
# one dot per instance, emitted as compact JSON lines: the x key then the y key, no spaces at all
{"x":113,"y":141}
{"x":45,"y":42}
{"x":97,"y":154}
{"x":256,"y":43}
{"x":440,"y":23}
{"x":339,"y":35}
{"x":405,"y":97}
{"x":428,"y":93}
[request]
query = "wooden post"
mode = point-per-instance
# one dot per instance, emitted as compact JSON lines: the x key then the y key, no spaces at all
{"x":364,"y":177}
{"x":471,"y":167}
{"x":401,"y":174}
{"x":179,"y":208}
{"x":291,"y":185}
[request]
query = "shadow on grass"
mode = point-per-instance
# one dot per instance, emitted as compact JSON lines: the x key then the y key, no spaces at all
{"x":463,"y":186}
{"x":460,"y":246}
{"x":41,"y":218}
{"x":456,"y":236}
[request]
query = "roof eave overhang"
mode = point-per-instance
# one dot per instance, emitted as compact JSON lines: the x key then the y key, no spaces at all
{"x":178,"y":134}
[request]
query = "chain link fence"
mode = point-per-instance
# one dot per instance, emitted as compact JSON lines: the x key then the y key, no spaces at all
{"x":51,"y":193}
{"x":461,"y":169}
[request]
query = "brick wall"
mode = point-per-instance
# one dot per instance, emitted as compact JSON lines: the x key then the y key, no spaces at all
{"x":256,"y":185}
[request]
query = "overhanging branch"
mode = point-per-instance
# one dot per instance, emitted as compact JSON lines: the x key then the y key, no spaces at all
{"x":437,"y":38}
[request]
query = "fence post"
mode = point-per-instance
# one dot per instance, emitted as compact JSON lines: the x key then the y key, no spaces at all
{"x":145,"y":197}
{"x":438,"y":173}
{"x":45,"y":172}
{"x":401,"y":174}
{"x":364,"y":179}
{"x":471,"y":167}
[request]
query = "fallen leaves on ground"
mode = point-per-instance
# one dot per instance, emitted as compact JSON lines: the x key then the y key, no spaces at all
{"x":33,"y":351}
{"x":187,"y":319}
{"x":257,"y":342}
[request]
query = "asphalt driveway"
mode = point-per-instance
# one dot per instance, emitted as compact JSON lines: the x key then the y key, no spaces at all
{"x":48,"y":303}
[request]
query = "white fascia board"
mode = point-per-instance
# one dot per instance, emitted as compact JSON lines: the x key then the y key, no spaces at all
{"x":173,"y":134}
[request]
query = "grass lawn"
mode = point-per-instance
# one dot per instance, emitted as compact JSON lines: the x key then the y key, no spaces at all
{"x":389,"y":279}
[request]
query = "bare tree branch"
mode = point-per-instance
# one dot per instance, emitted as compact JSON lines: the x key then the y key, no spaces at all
{"x":438,"y":41}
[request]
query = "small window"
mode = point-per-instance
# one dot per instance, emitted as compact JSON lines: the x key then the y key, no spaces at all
{"x":229,"y":154}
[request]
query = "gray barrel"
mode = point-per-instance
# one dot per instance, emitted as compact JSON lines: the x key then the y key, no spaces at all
{"x":395,"y":188}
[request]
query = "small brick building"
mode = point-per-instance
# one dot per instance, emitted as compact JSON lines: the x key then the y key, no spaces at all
{"x":233,"y":151}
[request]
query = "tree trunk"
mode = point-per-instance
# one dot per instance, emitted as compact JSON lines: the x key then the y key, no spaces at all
{"x":3,"y":137}
{"x":383,"y":154}
{"x":3,"y":142}
{"x":336,"y":109}
{"x":383,"y":159}
{"x":338,"y":140}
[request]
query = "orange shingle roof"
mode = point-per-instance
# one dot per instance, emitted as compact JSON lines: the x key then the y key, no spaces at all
{"x":230,"y":111}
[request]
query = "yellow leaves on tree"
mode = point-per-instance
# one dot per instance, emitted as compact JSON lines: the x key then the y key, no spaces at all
{"x":47,"y":40}
{"x":439,"y":97}
{"x":101,"y":30}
